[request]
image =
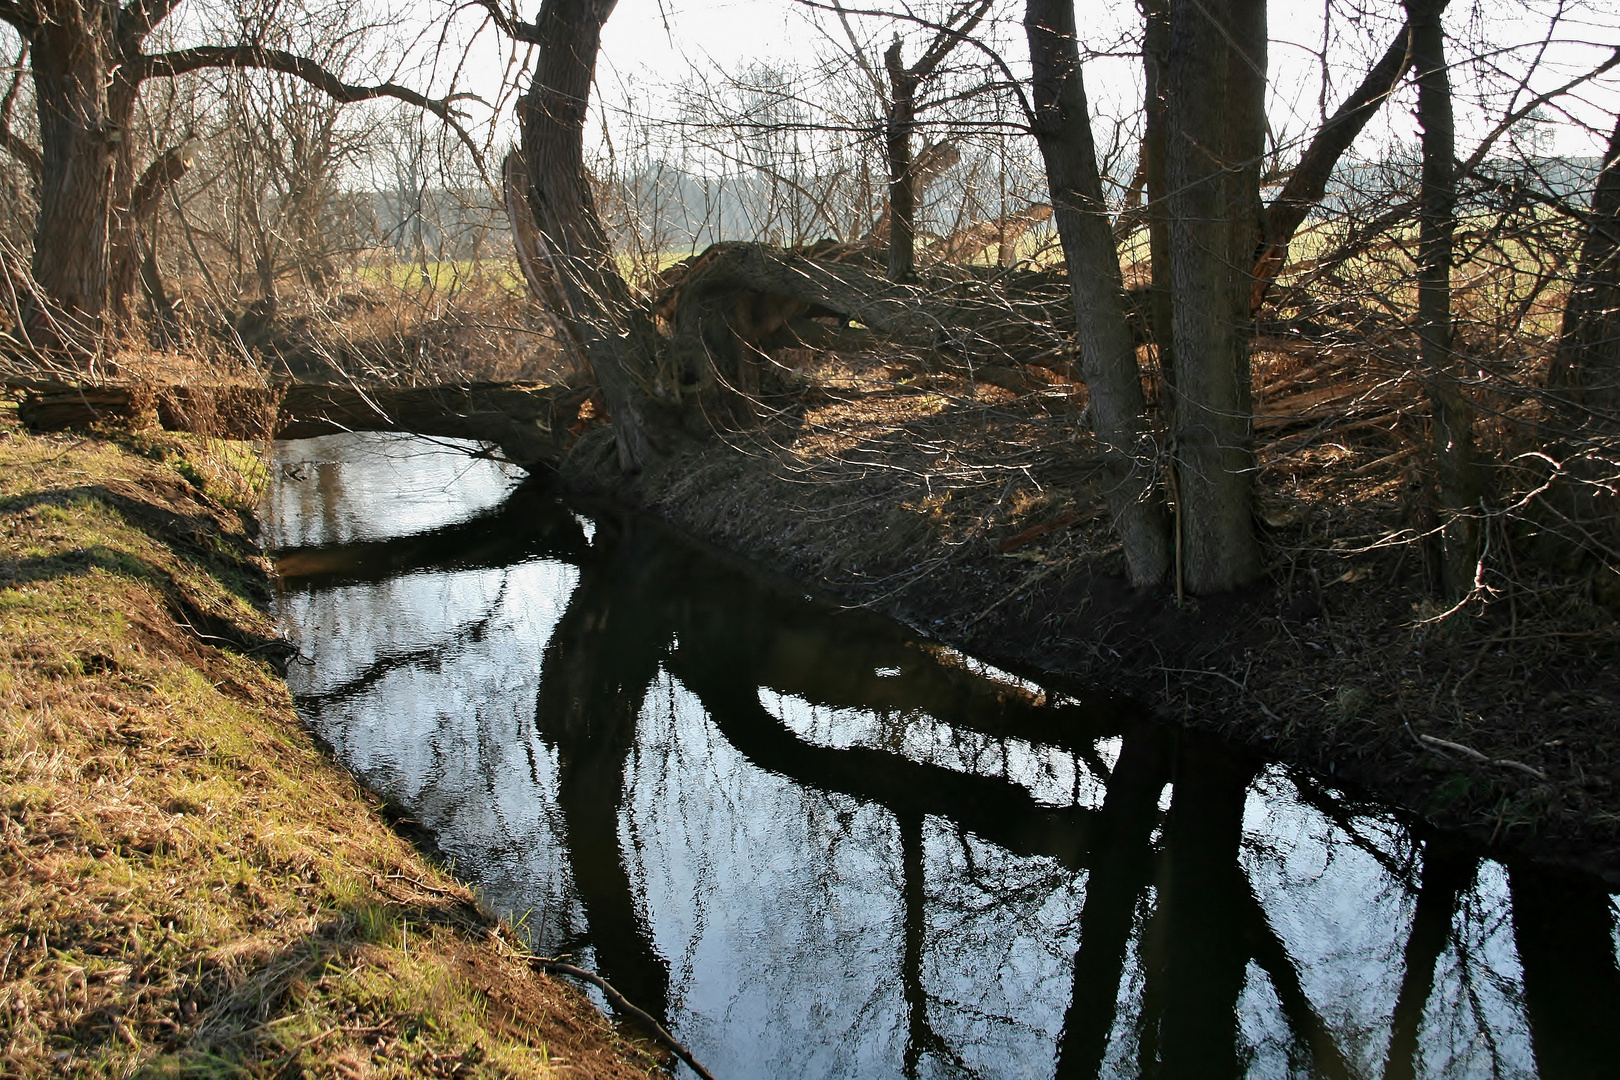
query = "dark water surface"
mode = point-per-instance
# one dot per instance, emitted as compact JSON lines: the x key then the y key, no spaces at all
{"x":821,"y":846}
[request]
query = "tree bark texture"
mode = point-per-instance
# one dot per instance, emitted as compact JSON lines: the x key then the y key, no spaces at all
{"x":83,"y":155}
{"x":1453,"y":433}
{"x":92,"y":202}
{"x":1588,"y":362}
{"x":898,"y":127}
{"x":1155,"y":60}
{"x":1107,"y":347}
{"x":618,"y":340}
{"x":1213,"y":144}
{"x":532,"y":259}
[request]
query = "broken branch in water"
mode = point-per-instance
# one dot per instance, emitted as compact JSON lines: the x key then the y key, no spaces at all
{"x":620,"y":1002}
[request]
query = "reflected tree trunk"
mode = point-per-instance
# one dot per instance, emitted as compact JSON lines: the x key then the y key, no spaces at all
{"x":603,"y":656}
{"x":1565,"y":934}
{"x":1202,"y":963}
{"x":1447,"y":871}
{"x":1121,"y":867}
{"x":921,"y":1038}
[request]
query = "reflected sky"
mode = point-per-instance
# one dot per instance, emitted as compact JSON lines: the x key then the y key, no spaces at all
{"x":821,"y":847}
{"x":337,"y":489}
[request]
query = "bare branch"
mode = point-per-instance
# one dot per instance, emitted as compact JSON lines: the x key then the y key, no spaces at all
{"x":1531,"y":106}
{"x":510,"y":25}
{"x":994,"y":57}
{"x":164,"y":172}
{"x":202,"y":57}
{"x":1308,"y":183}
{"x":23,"y":23}
{"x":14,"y":144}
{"x":857,"y":50}
{"x":138,"y":18}
{"x":18,"y":147}
{"x":948,"y":36}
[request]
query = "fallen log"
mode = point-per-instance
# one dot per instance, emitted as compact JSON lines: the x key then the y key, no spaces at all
{"x":531,"y":425}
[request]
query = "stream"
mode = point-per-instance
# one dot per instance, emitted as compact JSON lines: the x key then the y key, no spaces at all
{"x":819,"y":845}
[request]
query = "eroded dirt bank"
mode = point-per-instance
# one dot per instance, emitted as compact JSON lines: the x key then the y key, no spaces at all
{"x":190,"y":884}
{"x":973,"y":514}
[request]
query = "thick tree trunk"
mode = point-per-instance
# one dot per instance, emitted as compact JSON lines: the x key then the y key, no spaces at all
{"x":898,"y":127}
{"x":1453,"y":432}
{"x":1107,"y":348}
{"x":1214,"y":140}
{"x":618,"y":340}
{"x":1588,"y":360}
{"x":84,"y":151}
{"x":91,"y":204}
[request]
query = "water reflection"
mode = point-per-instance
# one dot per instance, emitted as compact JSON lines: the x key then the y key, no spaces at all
{"x":821,"y":847}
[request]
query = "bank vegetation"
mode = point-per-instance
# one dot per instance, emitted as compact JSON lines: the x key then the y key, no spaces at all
{"x":191,"y":885}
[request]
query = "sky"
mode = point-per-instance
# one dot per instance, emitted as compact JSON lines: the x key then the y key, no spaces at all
{"x":648,"y":41}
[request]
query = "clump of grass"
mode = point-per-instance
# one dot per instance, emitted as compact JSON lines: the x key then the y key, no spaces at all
{"x":192,"y":887}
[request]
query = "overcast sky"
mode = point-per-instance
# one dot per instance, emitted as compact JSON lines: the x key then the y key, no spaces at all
{"x":649,"y":41}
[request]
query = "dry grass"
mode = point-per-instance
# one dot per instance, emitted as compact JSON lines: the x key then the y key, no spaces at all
{"x":190,"y":885}
{"x":481,"y":330}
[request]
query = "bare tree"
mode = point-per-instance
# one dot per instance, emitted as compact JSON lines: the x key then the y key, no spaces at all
{"x":89,"y":63}
{"x":1062,"y":126}
{"x":1453,"y":425}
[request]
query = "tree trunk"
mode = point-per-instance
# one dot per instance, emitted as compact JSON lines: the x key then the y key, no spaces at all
{"x":618,"y":341}
{"x":1453,"y":432}
{"x":1107,"y":348}
{"x":1155,"y":58}
{"x":1214,"y":138}
{"x":1588,"y":360}
{"x":898,"y":127}
{"x":91,"y":203}
{"x":84,"y":153}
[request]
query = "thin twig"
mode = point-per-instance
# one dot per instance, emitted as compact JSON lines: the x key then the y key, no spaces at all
{"x":618,"y":1000}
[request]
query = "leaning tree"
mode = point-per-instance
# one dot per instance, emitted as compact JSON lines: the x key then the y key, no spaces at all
{"x":89,"y":60}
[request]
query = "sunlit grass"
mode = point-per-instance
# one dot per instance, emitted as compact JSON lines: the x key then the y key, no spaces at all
{"x":192,"y":887}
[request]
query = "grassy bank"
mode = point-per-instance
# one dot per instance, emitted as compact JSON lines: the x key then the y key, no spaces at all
{"x":190,"y":884}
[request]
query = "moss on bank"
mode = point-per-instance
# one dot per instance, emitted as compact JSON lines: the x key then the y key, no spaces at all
{"x":190,"y":884}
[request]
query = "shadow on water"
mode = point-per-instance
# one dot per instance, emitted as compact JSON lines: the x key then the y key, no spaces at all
{"x":821,"y":846}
